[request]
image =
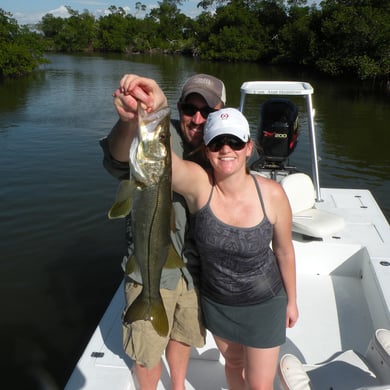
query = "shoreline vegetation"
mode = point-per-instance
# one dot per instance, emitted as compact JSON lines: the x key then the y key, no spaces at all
{"x":341,"y":38}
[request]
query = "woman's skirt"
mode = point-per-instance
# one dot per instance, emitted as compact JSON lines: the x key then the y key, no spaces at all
{"x":260,"y":326}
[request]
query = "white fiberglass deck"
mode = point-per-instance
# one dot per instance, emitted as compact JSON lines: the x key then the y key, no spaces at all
{"x":343,"y":296}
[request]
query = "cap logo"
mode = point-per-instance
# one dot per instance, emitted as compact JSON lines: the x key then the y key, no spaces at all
{"x":224,"y":116}
{"x":206,"y":82}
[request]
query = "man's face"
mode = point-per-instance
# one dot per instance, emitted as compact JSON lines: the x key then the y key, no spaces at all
{"x":193,"y":115}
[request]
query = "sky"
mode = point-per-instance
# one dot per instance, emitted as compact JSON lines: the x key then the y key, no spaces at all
{"x":32,"y":11}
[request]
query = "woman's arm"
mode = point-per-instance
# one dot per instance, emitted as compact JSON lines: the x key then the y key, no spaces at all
{"x":284,"y":252}
{"x":190,"y":180}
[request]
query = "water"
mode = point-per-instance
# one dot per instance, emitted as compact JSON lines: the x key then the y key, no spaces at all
{"x":60,"y":255}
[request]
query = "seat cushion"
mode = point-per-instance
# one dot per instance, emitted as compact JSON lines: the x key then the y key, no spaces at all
{"x":299,"y":190}
{"x":307,"y":219}
{"x":317,"y":223}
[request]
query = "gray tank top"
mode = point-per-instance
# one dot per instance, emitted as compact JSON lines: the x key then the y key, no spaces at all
{"x":238,"y":266}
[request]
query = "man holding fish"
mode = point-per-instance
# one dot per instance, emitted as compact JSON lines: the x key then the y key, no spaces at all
{"x":145,"y":341}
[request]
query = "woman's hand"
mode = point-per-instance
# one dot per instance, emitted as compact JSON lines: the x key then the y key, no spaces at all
{"x":291,"y":315}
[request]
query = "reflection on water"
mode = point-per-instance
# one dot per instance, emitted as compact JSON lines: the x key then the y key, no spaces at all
{"x":60,"y":255}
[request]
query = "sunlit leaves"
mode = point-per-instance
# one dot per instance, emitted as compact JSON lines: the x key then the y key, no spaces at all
{"x":336,"y":37}
{"x":21,"y":50}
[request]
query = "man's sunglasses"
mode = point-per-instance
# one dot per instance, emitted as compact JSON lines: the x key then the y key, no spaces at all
{"x":190,"y":110}
{"x":233,"y":142}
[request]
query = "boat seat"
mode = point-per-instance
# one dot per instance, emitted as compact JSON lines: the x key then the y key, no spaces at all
{"x":348,"y":371}
{"x":307,"y":219}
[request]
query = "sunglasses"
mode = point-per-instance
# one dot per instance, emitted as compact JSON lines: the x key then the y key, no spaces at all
{"x":190,"y":110}
{"x":233,"y":142}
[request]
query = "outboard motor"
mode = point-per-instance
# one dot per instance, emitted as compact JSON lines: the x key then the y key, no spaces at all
{"x":277,"y":134}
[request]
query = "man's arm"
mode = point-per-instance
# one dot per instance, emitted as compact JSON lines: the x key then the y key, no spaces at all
{"x":132,"y":89}
{"x":120,"y":138}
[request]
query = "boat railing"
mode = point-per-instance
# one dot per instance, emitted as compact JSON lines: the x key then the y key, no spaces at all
{"x":289,"y":88}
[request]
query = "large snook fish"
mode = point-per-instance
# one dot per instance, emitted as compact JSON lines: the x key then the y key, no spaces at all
{"x":148,"y":195}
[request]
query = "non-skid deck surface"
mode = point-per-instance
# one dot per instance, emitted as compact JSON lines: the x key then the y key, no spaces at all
{"x":334,"y":317}
{"x":104,"y":364}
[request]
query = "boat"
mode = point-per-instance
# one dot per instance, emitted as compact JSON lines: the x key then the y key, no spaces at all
{"x":342,"y":244}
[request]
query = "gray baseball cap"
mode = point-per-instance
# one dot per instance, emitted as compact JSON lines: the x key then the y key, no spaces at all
{"x":209,"y":87}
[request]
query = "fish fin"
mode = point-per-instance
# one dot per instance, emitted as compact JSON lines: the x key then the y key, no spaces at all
{"x":173,"y":220}
{"x":154,"y":312}
{"x":120,"y":209}
{"x":123,"y":200}
{"x":131,"y":265}
{"x":173,"y":259}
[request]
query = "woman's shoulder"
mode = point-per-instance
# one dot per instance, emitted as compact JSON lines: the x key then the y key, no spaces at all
{"x":272,"y":192}
{"x":267,"y":184}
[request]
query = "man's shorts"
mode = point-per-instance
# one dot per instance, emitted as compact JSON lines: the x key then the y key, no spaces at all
{"x":142,"y":343}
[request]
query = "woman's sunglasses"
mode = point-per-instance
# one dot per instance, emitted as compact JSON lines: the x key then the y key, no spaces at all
{"x":190,"y":110}
{"x":233,"y":142}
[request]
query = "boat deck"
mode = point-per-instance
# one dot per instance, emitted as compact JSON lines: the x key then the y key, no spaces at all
{"x":330,"y":322}
{"x":343,"y":296}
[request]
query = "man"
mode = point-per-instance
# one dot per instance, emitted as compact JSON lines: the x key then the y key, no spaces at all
{"x":201,"y":95}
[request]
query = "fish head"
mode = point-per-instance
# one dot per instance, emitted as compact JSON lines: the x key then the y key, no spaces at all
{"x":150,"y":150}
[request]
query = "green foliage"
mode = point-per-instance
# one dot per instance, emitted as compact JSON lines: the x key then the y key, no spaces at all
{"x":112,"y":33}
{"x":170,"y":23}
{"x":235,"y":35}
{"x":73,"y":34}
{"x":341,"y":37}
{"x":21,"y":51}
{"x":295,"y":42}
{"x":355,"y":39}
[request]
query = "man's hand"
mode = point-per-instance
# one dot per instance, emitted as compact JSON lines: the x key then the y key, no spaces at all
{"x":134,"y":88}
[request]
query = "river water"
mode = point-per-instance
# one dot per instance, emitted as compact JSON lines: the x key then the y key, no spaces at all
{"x":60,"y":256}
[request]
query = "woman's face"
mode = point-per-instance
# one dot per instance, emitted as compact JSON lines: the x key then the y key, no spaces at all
{"x":228,"y":153}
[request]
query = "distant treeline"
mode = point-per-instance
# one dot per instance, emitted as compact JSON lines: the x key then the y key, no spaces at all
{"x":339,"y":37}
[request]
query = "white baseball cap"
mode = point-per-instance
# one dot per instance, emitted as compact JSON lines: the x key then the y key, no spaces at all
{"x":226,"y":121}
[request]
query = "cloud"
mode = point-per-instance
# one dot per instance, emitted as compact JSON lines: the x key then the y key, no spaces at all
{"x":60,"y":12}
{"x":92,"y":2}
{"x":35,"y":17}
{"x":101,"y":10}
{"x":106,"y":11}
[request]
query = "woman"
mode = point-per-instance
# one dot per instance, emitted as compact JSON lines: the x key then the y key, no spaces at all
{"x":248,"y":291}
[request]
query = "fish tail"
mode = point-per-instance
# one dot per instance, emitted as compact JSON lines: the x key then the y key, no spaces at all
{"x":153,"y":311}
{"x":159,"y":318}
